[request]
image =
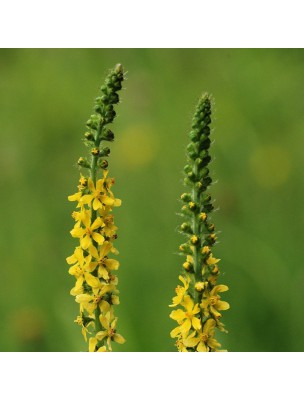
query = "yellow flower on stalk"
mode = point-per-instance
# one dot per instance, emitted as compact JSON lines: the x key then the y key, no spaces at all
{"x":110,"y":331}
{"x":186,"y":319}
{"x":89,"y":302}
{"x":180,"y":291}
{"x":98,"y":195}
{"x":104,"y":263}
{"x":203,"y":339}
{"x":211,"y":304}
{"x":212,"y":260}
{"x":87,"y":234}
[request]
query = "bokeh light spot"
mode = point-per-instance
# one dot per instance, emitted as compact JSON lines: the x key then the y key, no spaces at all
{"x":137,"y":146}
{"x":270,"y":165}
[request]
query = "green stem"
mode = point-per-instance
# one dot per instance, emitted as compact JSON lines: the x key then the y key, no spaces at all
{"x":195,"y":229}
{"x":93,"y":173}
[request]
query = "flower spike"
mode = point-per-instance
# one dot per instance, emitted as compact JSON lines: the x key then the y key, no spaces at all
{"x":93,"y":268}
{"x":198,"y":301}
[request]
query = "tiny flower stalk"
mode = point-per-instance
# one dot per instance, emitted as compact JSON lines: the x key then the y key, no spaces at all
{"x":92,"y":263}
{"x":197,"y":299}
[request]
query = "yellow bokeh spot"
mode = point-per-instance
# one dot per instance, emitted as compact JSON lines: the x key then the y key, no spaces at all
{"x":137,"y":146}
{"x":270,"y":165}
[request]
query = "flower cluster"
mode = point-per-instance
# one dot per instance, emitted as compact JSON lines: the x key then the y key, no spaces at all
{"x":91,"y":263}
{"x":198,"y":298}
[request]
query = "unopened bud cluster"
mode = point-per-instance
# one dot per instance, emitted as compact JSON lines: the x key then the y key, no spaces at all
{"x":199,"y":295}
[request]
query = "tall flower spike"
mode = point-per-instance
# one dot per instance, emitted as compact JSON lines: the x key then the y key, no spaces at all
{"x":92,"y":265}
{"x":198,"y":300}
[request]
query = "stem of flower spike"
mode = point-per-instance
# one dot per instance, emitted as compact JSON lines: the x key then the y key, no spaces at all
{"x":93,"y":171}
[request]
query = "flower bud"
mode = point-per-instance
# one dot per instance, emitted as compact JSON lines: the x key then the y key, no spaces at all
{"x":186,"y":227}
{"x":83,"y":162}
{"x":89,"y":136}
{"x":186,"y":197}
{"x":107,"y":135}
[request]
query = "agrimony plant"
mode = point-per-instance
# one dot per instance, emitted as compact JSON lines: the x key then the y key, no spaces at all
{"x":91,"y":263}
{"x":198,"y":298}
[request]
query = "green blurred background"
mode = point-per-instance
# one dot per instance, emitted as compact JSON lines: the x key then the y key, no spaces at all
{"x":47,"y":96}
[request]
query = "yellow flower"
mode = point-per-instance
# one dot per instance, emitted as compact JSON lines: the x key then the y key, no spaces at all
{"x":187,"y":318}
{"x":206,"y":250}
{"x":203,"y":216}
{"x":109,"y":332}
{"x":89,"y":302}
{"x":87,"y":234}
{"x":104,"y":263}
{"x":194,"y":239}
{"x":109,"y":229}
{"x":211,"y":260}
{"x":180,"y":291}
{"x":212,"y":303}
{"x":203,"y":339}
{"x":80,"y":270}
{"x":98,"y":195}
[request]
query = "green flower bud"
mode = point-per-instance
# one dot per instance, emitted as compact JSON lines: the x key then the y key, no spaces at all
{"x":107,"y":135}
{"x":103,"y":164}
{"x":89,"y":136}
{"x":83,"y":162}
{"x":186,"y":227}
{"x":204,"y":144}
{"x":186,"y":197}
{"x":104,"y":152}
{"x":187,"y":168}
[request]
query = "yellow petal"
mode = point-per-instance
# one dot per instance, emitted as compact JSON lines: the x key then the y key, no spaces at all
{"x":83,"y":298}
{"x":92,"y":344}
{"x":117,"y":203}
{"x":112,"y":264}
{"x":105,"y":248}
{"x":103,"y":272}
{"x":118,"y":338}
{"x":97,"y":204}
{"x":75,"y":197}
{"x":72,"y":259}
{"x":177,"y":315}
{"x":102,"y":349}
{"x":77,"y":232}
{"x":92,"y":280}
{"x":94,"y":252}
{"x":107,"y":200}
{"x":222,"y":305}
{"x":97,"y":223}
{"x":104,"y":322}
{"x":86,"y":199}
{"x":202,"y":347}
{"x":196,"y":323}
{"x":91,"y":185}
{"x":209,"y":325}
{"x":99,"y":185}
{"x":188,"y":303}
{"x":191,"y":342}
{"x":219,"y":288}
{"x":85,"y":242}
{"x":98,"y":237}
{"x":196,"y":309}
{"x":185,"y":327}
{"x":175,"y":332}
